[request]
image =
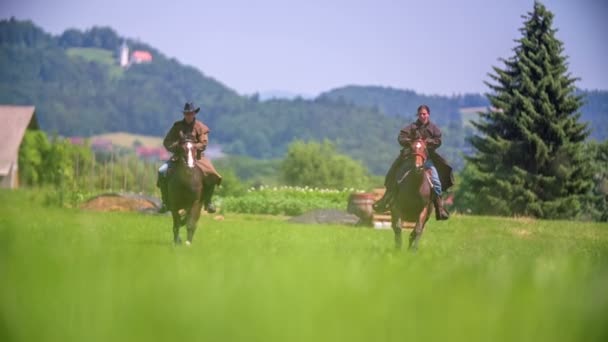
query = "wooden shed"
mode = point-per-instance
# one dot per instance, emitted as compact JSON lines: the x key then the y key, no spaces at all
{"x":14,"y":121}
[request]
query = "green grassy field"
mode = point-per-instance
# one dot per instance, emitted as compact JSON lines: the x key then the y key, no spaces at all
{"x":100,"y":56}
{"x":69,"y":275}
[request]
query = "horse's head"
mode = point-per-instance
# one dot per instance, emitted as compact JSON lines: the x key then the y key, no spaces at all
{"x":419,"y":152}
{"x":186,"y":150}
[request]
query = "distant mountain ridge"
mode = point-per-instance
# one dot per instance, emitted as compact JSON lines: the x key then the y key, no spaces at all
{"x":402,"y":103}
{"x":283,"y":95}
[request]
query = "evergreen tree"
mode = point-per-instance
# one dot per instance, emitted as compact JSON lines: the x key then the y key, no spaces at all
{"x":529,"y":157}
{"x":597,"y":208}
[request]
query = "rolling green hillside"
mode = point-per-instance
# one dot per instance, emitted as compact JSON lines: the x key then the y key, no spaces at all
{"x":70,"y":80}
{"x":79,"y":90}
{"x":100,"y":56}
{"x":403,"y":103}
{"x":70,"y":275}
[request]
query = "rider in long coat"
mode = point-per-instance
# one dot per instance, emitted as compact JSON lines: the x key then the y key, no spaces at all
{"x":190,"y":126}
{"x":441,"y":172}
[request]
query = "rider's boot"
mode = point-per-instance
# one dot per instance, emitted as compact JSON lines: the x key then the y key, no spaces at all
{"x":383,"y":204}
{"x":208,"y":189}
{"x":440,"y":212}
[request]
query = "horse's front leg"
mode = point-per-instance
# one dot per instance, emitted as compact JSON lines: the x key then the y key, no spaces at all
{"x":177,"y":222}
{"x":417,"y":232}
{"x":396,"y":225}
{"x":193,"y":216}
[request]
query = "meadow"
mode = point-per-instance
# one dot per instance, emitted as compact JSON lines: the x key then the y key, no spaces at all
{"x":72,"y":275}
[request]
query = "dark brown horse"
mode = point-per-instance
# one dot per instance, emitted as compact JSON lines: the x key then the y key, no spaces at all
{"x":413,"y":200}
{"x":185,"y":188}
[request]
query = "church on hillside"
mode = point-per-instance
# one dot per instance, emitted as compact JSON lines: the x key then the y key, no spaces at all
{"x":136,"y":57}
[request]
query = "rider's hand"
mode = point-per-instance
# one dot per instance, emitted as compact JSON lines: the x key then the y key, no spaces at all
{"x":173,"y":146}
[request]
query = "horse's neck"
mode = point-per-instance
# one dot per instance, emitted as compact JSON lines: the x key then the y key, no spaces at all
{"x":411,"y":175}
{"x":182,"y":164}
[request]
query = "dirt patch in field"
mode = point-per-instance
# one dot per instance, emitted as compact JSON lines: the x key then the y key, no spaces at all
{"x":326,"y":216}
{"x":522,"y":233}
{"x":121,"y":202}
{"x":525,"y":219}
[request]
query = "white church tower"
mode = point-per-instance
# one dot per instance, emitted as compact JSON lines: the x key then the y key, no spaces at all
{"x":124,"y":55}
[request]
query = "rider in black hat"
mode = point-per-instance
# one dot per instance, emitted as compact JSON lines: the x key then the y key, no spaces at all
{"x":200,"y":132}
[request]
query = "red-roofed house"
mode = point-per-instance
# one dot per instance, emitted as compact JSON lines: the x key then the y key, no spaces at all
{"x":77,"y":140}
{"x":141,"y":56}
{"x":101,"y":145}
{"x":152,"y":153}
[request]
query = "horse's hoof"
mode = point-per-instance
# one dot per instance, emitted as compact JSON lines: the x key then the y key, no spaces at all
{"x":188,"y":243}
{"x":210,"y":208}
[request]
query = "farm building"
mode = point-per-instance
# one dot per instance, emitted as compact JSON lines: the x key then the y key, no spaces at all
{"x":14,"y":121}
{"x":140,"y":56}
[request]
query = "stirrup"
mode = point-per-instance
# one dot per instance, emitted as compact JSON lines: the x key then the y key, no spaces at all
{"x":381,"y":206}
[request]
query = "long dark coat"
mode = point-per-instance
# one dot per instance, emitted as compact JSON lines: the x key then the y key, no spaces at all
{"x":432,"y":134}
{"x":200,"y":132}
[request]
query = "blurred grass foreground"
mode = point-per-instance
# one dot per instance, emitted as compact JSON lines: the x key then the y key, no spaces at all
{"x":73,"y":275}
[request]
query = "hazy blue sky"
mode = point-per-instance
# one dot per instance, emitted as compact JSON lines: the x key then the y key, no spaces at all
{"x":433,"y":46}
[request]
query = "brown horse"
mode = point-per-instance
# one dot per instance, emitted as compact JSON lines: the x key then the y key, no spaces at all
{"x":185,"y":188}
{"x":413,"y":201}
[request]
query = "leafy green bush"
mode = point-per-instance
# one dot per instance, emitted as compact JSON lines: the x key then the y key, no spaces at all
{"x":320,"y":165}
{"x":286,"y":200}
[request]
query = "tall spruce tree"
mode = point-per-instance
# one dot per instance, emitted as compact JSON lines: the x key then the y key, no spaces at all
{"x":529,"y":159}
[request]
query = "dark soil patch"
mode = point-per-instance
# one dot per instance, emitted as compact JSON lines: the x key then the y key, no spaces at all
{"x":326,"y":216}
{"x":121,"y":202}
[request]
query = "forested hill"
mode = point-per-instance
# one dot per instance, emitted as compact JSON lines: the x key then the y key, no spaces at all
{"x":79,"y":89}
{"x":595,"y":112}
{"x":403,"y":103}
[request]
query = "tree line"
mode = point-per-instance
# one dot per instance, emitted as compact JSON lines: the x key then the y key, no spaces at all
{"x":75,"y":171}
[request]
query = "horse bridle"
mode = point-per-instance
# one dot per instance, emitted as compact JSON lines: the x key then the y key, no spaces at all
{"x":188,"y":156}
{"x":419,"y":152}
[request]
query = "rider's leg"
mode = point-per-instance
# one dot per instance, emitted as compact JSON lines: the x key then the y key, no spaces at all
{"x":163,"y":185}
{"x":390,"y":182}
{"x":440,"y":212}
{"x":434,"y":177}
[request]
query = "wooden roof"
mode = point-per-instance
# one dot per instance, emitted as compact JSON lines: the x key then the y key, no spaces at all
{"x":14,"y":120}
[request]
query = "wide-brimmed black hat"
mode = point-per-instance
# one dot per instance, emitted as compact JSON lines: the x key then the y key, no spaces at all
{"x":189,"y":107}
